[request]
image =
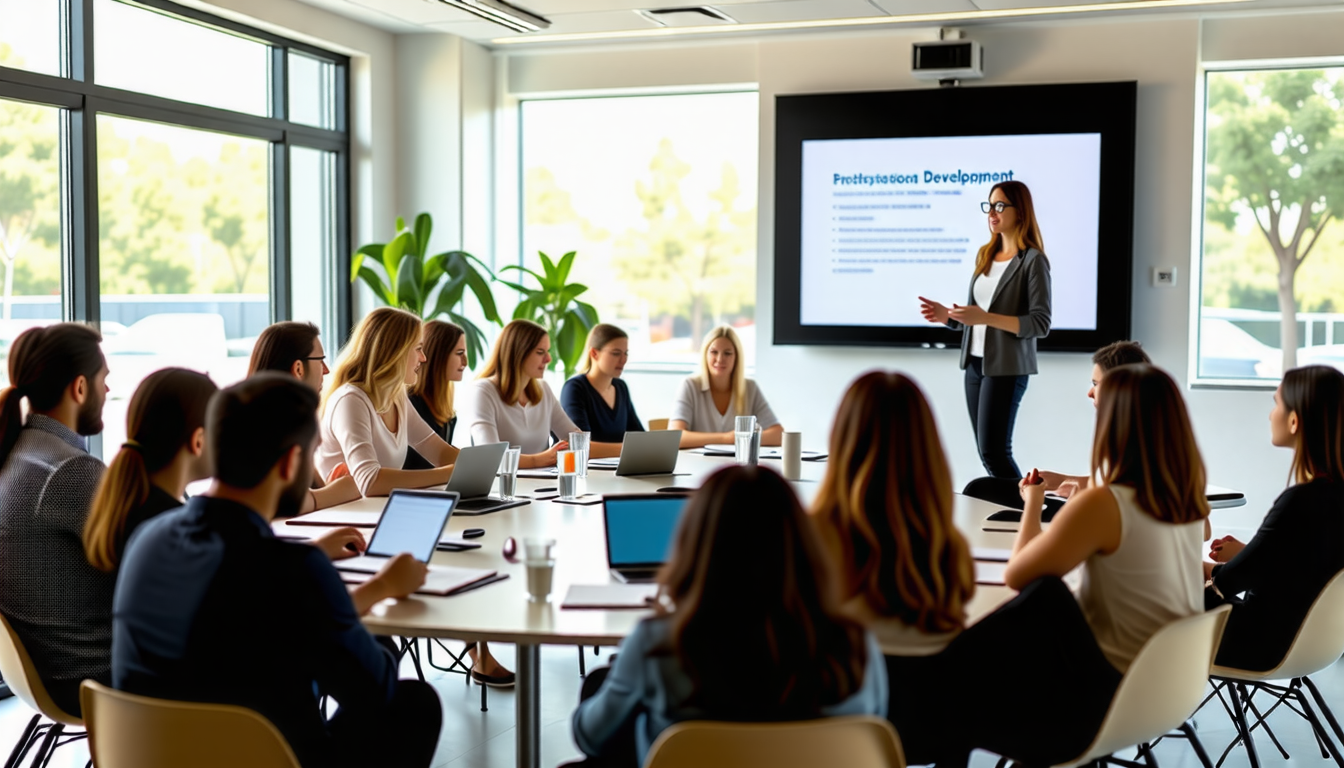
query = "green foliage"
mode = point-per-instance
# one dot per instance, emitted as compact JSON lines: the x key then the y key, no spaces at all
{"x":30,"y":202}
{"x":401,"y":275}
{"x":555,"y":305}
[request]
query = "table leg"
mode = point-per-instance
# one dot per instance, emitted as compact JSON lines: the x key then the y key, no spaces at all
{"x":529,"y":706}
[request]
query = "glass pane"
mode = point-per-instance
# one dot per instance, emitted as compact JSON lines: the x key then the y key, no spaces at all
{"x":660,"y":206}
{"x":312,"y":91}
{"x":184,"y":221}
{"x":30,"y":35}
{"x":312,"y":227}
{"x":1273,"y":250}
{"x":30,"y":221}
{"x":141,"y":50}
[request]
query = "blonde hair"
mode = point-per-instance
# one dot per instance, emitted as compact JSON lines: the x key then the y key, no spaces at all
{"x":598,"y":338}
{"x":505,"y":365}
{"x":374,"y":359}
{"x":739,"y":381}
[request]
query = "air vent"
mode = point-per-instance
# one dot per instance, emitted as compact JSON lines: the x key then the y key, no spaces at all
{"x":688,"y":16}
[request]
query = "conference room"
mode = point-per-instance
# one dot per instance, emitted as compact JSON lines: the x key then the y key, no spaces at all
{"x":814,"y":175}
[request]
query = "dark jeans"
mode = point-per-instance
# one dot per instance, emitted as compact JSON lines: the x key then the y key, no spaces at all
{"x":401,"y":734}
{"x":992,"y":402}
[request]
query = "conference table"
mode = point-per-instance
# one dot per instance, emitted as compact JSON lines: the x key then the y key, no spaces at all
{"x":501,"y":612}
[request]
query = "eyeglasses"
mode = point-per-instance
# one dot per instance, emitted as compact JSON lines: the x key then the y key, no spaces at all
{"x":995,"y":207}
{"x":323,"y":358}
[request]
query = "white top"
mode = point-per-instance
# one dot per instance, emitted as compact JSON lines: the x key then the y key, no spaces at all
{"x":530,"y":426}
{"x":695,"y":406}
{"x":354,"y":433}
{"x":985,"y":285}
{"x":1152,"y":579}
{"x":895,"y":636}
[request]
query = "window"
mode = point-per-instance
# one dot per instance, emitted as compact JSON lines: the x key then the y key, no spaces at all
{"x":657,"y":195}
{"x":206,"y":197}
{"x":1272,"y":267}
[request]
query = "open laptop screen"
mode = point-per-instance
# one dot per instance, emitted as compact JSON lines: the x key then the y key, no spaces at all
{"x":640,"y":528}
{"x":412,"y":522}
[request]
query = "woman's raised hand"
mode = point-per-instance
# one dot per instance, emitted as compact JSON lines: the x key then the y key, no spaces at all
{"x":933,"y":311}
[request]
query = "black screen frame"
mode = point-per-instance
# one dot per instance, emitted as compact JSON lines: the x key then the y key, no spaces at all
{"x":1106,"y":108}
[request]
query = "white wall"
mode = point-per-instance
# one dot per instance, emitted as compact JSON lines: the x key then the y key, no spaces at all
{"x":1054,"y":428}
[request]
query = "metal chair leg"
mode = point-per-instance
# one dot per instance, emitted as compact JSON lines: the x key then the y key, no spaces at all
{"x":1196,"y":744}
{"x":1319,"y":728}
{"x":1324,"y":708}
{"x":43,"y":755}
{"x":583,"y":672}
{"x":22,"y":745}
{"x":1239,"y":717}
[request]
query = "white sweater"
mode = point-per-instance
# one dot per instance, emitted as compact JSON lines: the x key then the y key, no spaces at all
{"x":354,"y":434}
{"x":529,"y":426}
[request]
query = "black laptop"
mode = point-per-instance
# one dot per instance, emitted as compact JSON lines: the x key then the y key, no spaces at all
{"x":639,"y":530}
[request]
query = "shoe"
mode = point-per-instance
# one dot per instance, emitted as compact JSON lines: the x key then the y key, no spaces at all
{"x":506,"y":680}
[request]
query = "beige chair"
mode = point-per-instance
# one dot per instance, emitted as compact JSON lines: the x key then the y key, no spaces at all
{"x":129,"y":731}
{"x":851,"y":742}
{"x":657,"y":425}
{"x":1318,"y":644}
{"x":17,"y":669}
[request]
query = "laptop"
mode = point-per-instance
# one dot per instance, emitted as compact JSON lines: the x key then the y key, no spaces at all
{"x":649,"y":453}
{"x":473,"y":476}
{"x":639,"y":530}
{"x":412,"y":522}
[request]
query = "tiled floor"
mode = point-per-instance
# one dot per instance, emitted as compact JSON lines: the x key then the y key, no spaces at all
{"x":475,"y":739}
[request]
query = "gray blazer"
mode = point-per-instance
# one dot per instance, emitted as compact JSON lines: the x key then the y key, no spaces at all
{"x":1024,"y":291}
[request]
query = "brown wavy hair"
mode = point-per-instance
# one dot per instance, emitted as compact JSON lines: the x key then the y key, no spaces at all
{"x":1028,"y":234}
{"x":746,"y":566}
{"x":1144,"y":439}
{"x":434,"y":386}
{"x":505,"y":365}
{"x":884,"y":508}
{"x":1316,"y":394}
{"x":44,"y":361}
{"x":165,"y":411}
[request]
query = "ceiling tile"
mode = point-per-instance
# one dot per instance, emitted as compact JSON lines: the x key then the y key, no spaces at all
{"x":903,"y":7}
{"x":417,"y":11}
{"x":366,"y":15}
{"x":801,"y":10}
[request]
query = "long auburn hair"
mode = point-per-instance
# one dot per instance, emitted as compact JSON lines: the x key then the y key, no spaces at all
{"x":1144,"y":439}
{"x":1316,"y":394}
{"x":165,"y":411}
{"x":598,"y":338}
{"x":374,"y":359}
{"x":1028,"y":234}
{"x":739,"y":382}
{"x":43,"y":361}
{"x":434,"y":386}
{"x":745,"y":565}
{"x":518,"y":339}
{"x":884,"y":508}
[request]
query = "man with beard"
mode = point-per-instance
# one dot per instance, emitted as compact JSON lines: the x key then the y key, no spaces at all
{"x":57,"y":602}
{"x":210,"y":606}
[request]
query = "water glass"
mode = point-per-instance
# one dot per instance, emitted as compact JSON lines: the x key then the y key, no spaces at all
{"x":539,"y":559}
{"x":508,"y":473}
{"x":578,"y":443}
{"x":744,"y":428}
{"x":566,"y":463}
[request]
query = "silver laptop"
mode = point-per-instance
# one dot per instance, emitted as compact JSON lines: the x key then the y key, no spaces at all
{"x":639,"y":530}
{"x":649,"y":453}
{"x":412,"y":522}
{"x":473,"y":476}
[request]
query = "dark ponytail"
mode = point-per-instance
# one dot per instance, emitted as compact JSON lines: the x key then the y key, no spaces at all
{"x":42,"y":363}
{"x":166,"y":410}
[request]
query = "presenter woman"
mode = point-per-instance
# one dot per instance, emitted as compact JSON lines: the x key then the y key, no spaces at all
{"x":1008,"y":309}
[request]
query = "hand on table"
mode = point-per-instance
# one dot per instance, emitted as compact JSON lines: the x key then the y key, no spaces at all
{"x":1032,"y":490}
{"x":341,"y":543}
{"x":933,"y":311}
{"x":1224,"y":549}
{"x":971,"y":315}
{"x":401,"y":576}
{"x":547,"y":457}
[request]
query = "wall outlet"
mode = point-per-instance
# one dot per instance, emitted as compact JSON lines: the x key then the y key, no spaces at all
{"x":1164,"y":277}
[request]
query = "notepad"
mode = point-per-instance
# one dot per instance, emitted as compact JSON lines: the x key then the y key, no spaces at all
{"x":336,"y":518}
{"x":990,"y":573}
{"x":609,"y":596}
{"x":992,"y":554}
{"x":442,"y":579}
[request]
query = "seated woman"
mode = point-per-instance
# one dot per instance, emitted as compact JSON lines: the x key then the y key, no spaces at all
{"x":368,"y":423}
{"x":432,"y":393}
{"x":512,"y":403}
{"x":1300,"y":545}
{"x":884,"y":511}
{"x":709,"y":401}
{"x":597,"y":400}
{"x":744,"y":565}
{"x":1137,"y":532}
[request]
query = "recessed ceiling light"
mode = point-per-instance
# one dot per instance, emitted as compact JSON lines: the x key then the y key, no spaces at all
{"x":503,"y":13}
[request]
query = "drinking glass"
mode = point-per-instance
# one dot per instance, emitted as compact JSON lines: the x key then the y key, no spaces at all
{"x":508,"y":473}
{"x":578,"y":443}
{"x":744,"y":427}
{"x":566,"y":462}
{"x":539,"y":559}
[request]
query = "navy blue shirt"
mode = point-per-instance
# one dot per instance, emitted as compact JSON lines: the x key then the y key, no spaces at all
{"x":590,"y":412}
{"x":210,"y":606}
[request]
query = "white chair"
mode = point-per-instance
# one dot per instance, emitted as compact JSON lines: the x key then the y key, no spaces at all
{"x":851,"y":742}
{"x":1159,"y":692}
{"x":1318,"y":644}
{"x":17,"y":668}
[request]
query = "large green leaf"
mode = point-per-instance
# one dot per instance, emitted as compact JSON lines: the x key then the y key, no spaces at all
{"x":566,"y":263}
{"x":372,"y":249}
{"x":539,"y":278}
{"x":587,"y":313}
{"x":549,"y":281}
{"x":475,"y":339}
{"x":424,"y":225}
{"x":408,"y":285}
{"x":375,"y":283}
{"x":563,"y":346}
{"x":392,"y":253}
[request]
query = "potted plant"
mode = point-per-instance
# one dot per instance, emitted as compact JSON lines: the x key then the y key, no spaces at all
{"x":555,"y":305}
{"x":401,"y":275}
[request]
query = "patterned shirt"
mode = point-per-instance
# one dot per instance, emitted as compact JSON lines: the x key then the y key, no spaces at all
{"x":60,"y":606}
